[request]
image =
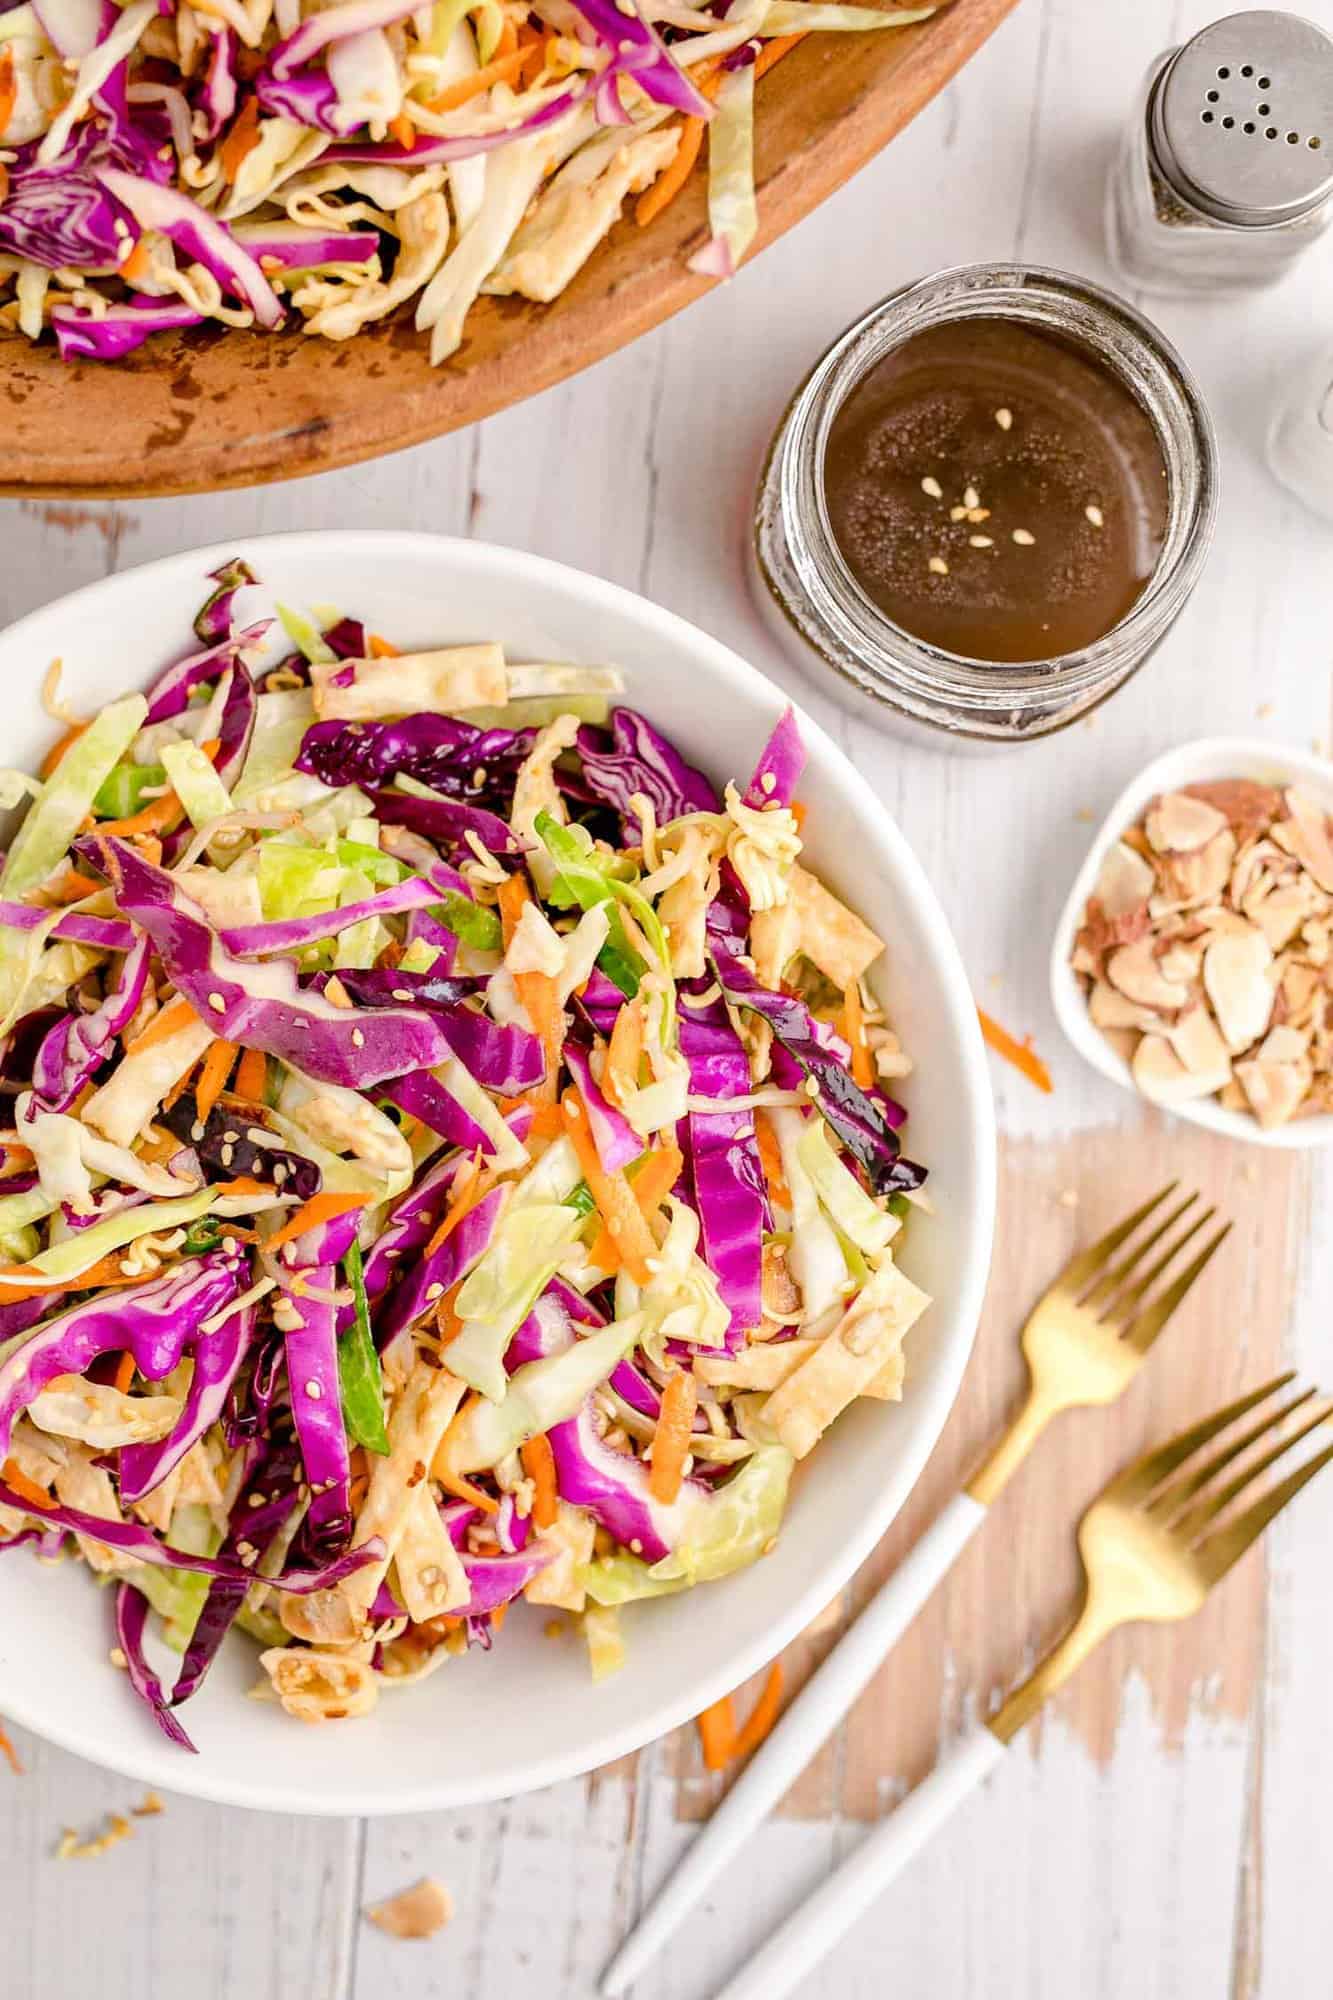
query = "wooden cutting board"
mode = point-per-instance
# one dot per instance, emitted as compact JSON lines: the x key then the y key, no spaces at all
{"x":196,"y":411}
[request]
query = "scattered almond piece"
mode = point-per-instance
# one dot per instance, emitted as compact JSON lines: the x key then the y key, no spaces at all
{"x":418,"y":1912}
{"x":71,"y":1848}
{"x":149,"y":1807}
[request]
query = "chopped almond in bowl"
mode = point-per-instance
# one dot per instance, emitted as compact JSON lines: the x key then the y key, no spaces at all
{"x":1194,"y":961}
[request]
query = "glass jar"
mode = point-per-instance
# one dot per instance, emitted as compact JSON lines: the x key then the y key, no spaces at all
{"x":1300,"y":439}
{"x":1226,"y":172}
{"x":819,"y":612}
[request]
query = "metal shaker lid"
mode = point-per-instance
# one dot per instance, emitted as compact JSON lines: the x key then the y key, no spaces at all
{"x":1242,"y":119}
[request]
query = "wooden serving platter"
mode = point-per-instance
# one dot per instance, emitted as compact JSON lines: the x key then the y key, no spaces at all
{"x":197,"y":411}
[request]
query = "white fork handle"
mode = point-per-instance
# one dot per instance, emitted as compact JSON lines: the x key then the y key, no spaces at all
{"x":816,"y":1711}
{"x":816,"y":1926}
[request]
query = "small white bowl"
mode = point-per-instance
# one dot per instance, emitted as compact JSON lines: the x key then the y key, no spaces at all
{"x":1191,"y":764}
{"x":529,"y":1713}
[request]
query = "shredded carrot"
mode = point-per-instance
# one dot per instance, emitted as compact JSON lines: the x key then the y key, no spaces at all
{"x":18,"y":1159}
{"x":210,"y":747}
{"x":1020,"y":1054}
{"x":539,"y":1464}
{"x":403,"y":132}
{"x":706,"y":79}
{"x":135,"y":266}
{"x":657,"y":1176}
{"x":770,"y":1158}
{"x":854,"y":1028}
{"x":547,"y":1122}
{"x":508,"y":41}
{"x":382,"y":649}
{"x":98,"y":1277}
{"x":75,"y":887}
{"x":168,"y":1021}
{"x":671,"y":1439}
{"x":624,"y":1052}
{"x":251,"y":1081}
{"x":454,"y":1482}
{"x":447,"y":1323}
{"x":471,"y":1185}
{"x":213,"y":1073}
{"x":124,"y":1372}
{"x":9,"y":89}
{"x":7,"y":1750}
{"x":613,"y":1194}
{"x":773,"y":52}
{"x":717,"y":1733}
{"x":797,"y":810}
{"x":762,"y":1716}
{"x":241,"y":141}
{"x":541,"y":1003}
{"x":319,"y":1208}
{"x":243,"y":1184}
{"x":71,"y":736}
{"x":158,"y":816}
{"x":504,"y":69}
{"x":498,"y":1616}
{"x":513,"y":897}
{"x":27,"y":1489}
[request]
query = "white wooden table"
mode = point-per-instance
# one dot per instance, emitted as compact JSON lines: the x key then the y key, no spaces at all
{"x":1163,"y":1836}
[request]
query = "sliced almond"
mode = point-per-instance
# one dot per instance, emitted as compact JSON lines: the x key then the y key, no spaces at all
{"x":1245,"y":804}
{"x":1124,"y":882}
{"x":1179,"y":824}
{"x":1185,"y":880}
{"x":1237,"y":971}
{"x":1195,"y":1040}
{"x":1134,"y":971}
{"x":1274,"y":1089}
{"x":1305,"y":835}
{"x":1283,"y":1045}
{"x":418,"y":1912}
{"x":1109,"y":1009}
{"x":1180,"y":964}
{"x":1299,"y":985}
{"x":1281,"y":912}
{"x":1161,"y":1076}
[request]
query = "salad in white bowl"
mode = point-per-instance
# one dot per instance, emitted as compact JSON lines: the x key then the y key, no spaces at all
{"x":449,"y":1157}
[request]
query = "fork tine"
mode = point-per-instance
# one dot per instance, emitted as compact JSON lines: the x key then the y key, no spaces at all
{"x":1227,"y":1545}
{"x":1088,"y":1262}
{"x":1141,"y":1478}
{"x":1174,"y":1495}
{"x":1143,"y":1331}
{"x":1107,"y":1286}
{"x":1210,"y":1506}
{"x":1131,"y":1294}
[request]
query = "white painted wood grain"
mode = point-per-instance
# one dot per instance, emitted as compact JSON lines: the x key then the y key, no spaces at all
{"x":1171,"y":1874}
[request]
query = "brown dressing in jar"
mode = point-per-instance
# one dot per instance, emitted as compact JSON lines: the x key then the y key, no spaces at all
{"x":996,"y":491}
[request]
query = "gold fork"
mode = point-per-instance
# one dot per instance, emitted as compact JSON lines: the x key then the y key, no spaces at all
{"x":1153,"y":1545}
{"x":1084,"y":1341}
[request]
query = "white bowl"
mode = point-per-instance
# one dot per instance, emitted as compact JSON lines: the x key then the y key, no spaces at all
{"x":528,"y":1713}
{"x":1191,"y":764}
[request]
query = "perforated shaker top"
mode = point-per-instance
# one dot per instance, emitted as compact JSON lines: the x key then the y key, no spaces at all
{"x":1242,"y":119}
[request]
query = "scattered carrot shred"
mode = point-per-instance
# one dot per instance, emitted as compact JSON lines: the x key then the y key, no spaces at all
{"x":158,"y":816}
{"x":168,"y":1021}
{"x":498,"y":1616}
{"x":463,"y":1489}
{"x":319,"y":1208}
{"x":251,"y":1076}
{"x":9,"y":89}
{"x":762,"y":1716}
{"x":854,"y":1028}
{"x":539,"y":1464}
{"x":671,"y":1439}
{"x":18,"y":1159}
{"x":136,"y":264}
{"x":773,"y":52}
{"x":96,"y":1278}
{"x":213,"y":1073}
{"x":674,"y":175}
{"x":382,"y":649}
{"x":513,"y":897}
{"x":403,"y":132}
{"x":124,"y":1373}
{"x":1020,"y":1054}
{"x":27,"y":1489}
{"x":210,"y":748}
{"x":241,"y":141}
{"x":657,"y":1176}
{"x":541,"y":1003}
{"x":504,"y":69}
{"x":72,"y":735}
{"x":242,"y":1184}
{"x":770,"y":1158}
{"x":624,"y":1052}
{"x":717,"y":1733}
{"x":471,"y":1185}
{"x":612,"y":1193}
{"x":7,"y":1750}
{"x":547,"y":1122}
{"x":75,"y":887}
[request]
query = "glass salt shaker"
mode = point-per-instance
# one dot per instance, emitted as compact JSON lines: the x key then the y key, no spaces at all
{"x":1226,"y":175}
{"x":1300,"y":439}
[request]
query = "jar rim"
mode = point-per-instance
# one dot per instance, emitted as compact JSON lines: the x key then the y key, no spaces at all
{"x":853,"y":635}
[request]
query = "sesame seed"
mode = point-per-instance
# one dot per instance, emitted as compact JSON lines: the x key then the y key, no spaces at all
{"x":217,"y":1003}
{"x":1004,"y":418}
{"x":197,"y":1130}
{"x":400,"y":993}
{"x":937,"y":566}
{"x":980,"y":542}
{"x":1023,"y":538}
{"x":228,"y":1155}
{"x":958,"y":513}
{"x":431,"y":1577}
{"x":358,"y":1039}
{"x":1095,"y":515}
{"x":230,"y":1138}
{"x":810,"y":1087}
{"x":978,"y":513}
{"x":434,"y":1292}
{"x":479,"y":777}
{"x":932,"y":487}
{"x":767,"y":782}
{"x":313,"y":1390}
{"x":971,"y":498}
